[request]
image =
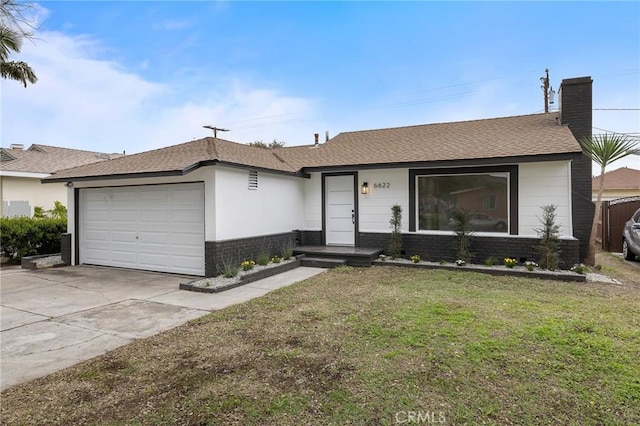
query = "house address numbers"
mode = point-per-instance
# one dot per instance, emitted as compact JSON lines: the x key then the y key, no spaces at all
{"x":382,"y":185}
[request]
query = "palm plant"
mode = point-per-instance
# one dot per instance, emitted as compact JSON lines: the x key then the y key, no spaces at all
{"x":11,"y":41}
{"x":16,"y":24}
{"x":603,"y":150}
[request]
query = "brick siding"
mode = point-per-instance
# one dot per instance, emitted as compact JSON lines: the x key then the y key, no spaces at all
{"x":216,"y":253}
{"x":65,"y":248}
{"x":442,"y":247}
{"x":576,"y":112}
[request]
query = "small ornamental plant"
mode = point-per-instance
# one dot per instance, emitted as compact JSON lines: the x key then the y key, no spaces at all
{"x":490,"y":261}
{"x":382,"y":257}
{"x":510,"y":262}
{"x":247,"y":265}
{"x":275,"y":259}
{"x":530,"y":265}
{"x":415,"y":258}
{"x":443,"y":262}
{"x":579,"y":268}
{"x":460,"y":262}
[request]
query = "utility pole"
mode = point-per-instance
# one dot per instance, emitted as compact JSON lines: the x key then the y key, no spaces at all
{"x":546,"y":88}
{"x":216,"y":130}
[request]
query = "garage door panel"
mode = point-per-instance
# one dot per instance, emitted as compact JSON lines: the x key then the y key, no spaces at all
{"x":195,"y":195}
{"x":154,"y":195}
{"x":123,"y":215}
{"x":156,"y":261}
{"x":154,"y":238}
{"x":158,"y":228}
{"x":154,"y":215}
{"x":186,"y":216}
{"x":185,"y":239}
{"x":96,"y":253}
{"x":123,"y":237}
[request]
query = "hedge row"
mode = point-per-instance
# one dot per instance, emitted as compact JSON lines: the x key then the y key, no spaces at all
{"x":24,"y":236}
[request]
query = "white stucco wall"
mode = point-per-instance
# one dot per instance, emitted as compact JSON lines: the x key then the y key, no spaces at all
{"x":313,"y":203}
{"x":375,"y":207}
{"x":541,"y":184}
{"x":30,"y":189}
{"x":275,"y":207}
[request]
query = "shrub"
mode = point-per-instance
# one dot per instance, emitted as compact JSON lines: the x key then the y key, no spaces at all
{"x":276,"y":259}
{"x":462,"y":221}
{"x":395,"y":243}
{"x":263,"y":258}
{"x":25,"y":236}
{"x":287,"y":251}
{"x":415,"y":258}
{"x":490,"y":261}
{"x":579,"y":268}
{"x":548,"y":248}
{"x":228,"y":269}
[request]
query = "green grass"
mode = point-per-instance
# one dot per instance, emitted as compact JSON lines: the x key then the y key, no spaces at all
{"x":369,"y":346}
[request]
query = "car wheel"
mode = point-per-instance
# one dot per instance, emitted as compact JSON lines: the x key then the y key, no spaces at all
{"x":627,"y":254}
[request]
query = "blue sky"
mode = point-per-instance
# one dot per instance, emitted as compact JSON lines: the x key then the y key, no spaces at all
{"x":133,"y":76}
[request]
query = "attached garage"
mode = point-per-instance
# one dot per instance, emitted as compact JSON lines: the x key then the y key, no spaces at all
{"x":152,"y":227}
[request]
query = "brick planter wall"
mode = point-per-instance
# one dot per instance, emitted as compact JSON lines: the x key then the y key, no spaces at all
{"x":442,"y":247}
{"x":235,"y":251}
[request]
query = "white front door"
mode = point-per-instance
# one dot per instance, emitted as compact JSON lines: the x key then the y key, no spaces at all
{"x":339,"y":211}
{"x":154,"y":227}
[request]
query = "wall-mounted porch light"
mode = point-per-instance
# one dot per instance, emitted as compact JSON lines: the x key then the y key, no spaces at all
{"x":365,"y":188}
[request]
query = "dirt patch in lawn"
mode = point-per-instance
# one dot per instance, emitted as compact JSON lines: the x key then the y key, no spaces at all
{"x":371,"y":346}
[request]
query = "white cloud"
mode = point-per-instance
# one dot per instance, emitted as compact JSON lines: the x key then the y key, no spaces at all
{"x":85,"y":102}
{"x":172,"y":25}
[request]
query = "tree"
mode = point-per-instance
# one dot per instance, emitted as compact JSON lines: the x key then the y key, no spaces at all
{"x":395,"y":242}
{"x":12,"y":34}
{"x":603,"y":150}
{"x":548,"y":248}
{"x":273,"y":145}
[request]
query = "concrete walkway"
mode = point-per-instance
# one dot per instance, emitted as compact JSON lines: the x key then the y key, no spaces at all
{"x":54,"y":318}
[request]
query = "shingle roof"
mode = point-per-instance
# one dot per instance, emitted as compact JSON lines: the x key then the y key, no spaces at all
{"x":48,"y":159}
{"x":527,"y":135}
{"x":180,"y":159}
{"x":622,"y":178}
{"x":518,"y":136}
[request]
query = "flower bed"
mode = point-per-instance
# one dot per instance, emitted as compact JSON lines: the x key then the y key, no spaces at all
{"x":559,"y":275}
{"x":258,"y":272}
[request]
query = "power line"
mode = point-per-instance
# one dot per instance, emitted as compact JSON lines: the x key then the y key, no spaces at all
{"x":616,"y":109}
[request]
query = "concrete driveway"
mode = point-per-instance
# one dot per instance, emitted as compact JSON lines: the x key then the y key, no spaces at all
{"x":54,"y":318}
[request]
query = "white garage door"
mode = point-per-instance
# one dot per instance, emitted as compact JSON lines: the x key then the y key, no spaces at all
{"x":153,"y":227}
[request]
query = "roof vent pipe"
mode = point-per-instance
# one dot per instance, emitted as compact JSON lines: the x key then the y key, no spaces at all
{"x":326,"y":136}
{"x":316,"y":136}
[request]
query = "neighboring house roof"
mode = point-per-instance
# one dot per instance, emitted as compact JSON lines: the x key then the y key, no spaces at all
{"x":508,"y":137}
{"x":46,"y":159}
{"x":622,"y":178}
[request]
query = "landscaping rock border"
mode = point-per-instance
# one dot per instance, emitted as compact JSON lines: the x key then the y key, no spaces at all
{"x":559,"y":275}
{"x":243,"y":278}
{"x":41,"y":261}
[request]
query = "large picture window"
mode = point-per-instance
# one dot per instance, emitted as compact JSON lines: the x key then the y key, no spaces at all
{"x":484,"y":195}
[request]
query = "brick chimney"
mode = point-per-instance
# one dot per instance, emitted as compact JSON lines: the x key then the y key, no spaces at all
{"x":576,"y":111}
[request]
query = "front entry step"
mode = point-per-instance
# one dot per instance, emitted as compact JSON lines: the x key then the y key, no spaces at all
{"x":322,"y":262}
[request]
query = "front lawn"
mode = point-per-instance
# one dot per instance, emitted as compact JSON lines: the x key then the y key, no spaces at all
{"x":371,"y":346}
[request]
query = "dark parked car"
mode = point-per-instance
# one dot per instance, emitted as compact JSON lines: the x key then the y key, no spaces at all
{"x":631,"y":237}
